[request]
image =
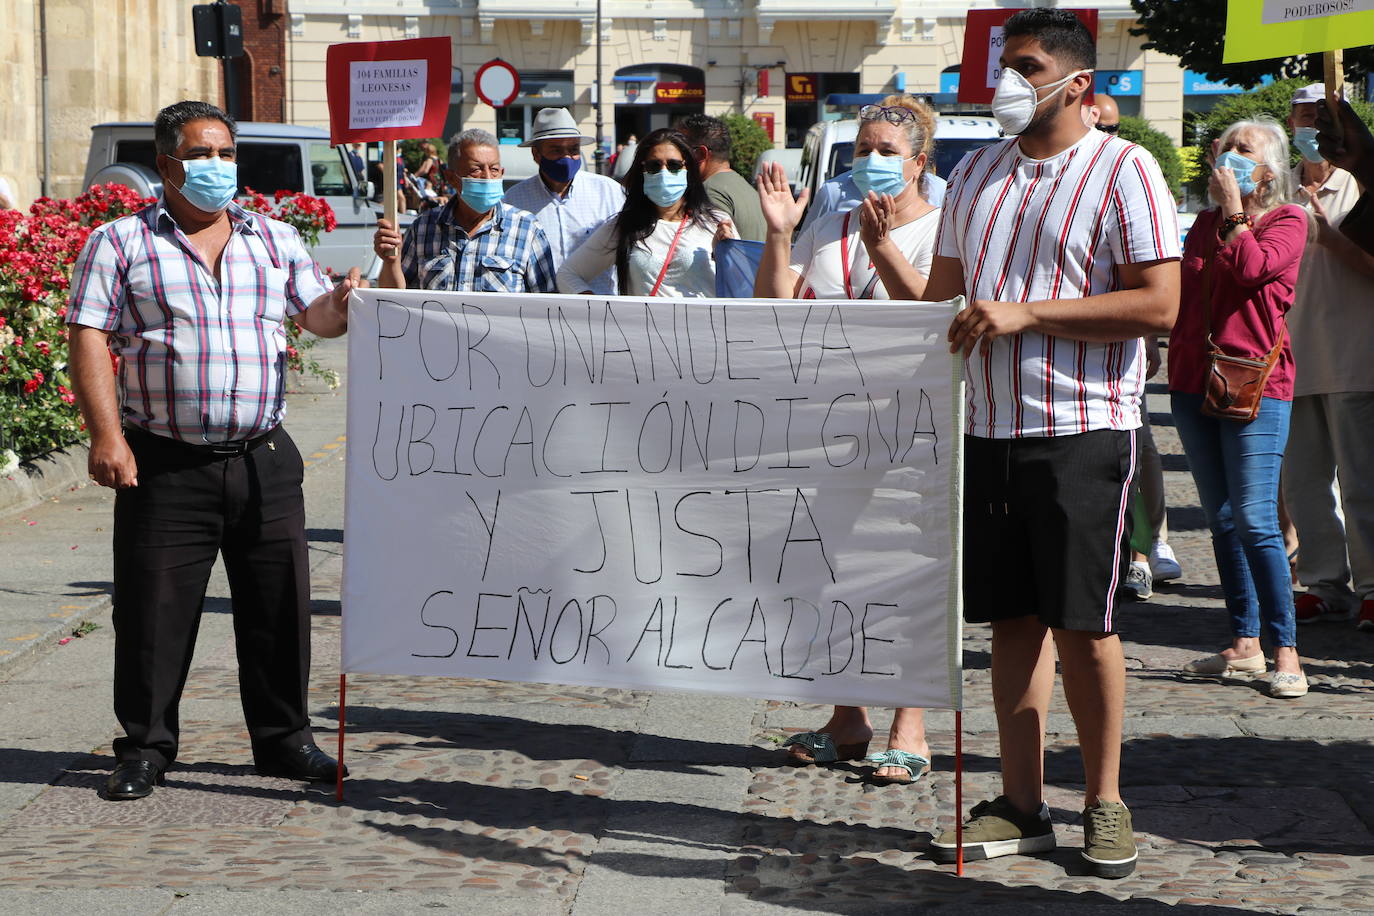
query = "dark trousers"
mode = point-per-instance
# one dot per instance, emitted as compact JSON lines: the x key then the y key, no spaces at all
{"x":188,"y":507}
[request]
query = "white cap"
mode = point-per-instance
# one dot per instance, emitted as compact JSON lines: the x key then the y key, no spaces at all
{"x":1310,"y":94}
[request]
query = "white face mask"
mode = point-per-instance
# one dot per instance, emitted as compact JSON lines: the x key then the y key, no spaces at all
{"x":1015,"y":102}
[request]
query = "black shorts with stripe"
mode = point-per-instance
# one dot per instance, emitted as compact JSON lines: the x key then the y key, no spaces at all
{"x":1047,"y":527}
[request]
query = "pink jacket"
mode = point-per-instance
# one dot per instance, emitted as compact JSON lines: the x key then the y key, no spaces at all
{"x":1253,"y":279}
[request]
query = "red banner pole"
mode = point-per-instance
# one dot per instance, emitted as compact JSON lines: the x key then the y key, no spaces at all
{"x":343,"y":701}
{"x":958,"y":791}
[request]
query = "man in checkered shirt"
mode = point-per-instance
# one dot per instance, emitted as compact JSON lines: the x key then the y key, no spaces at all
{"x":192,"y":294}
{"x":475,"y":242}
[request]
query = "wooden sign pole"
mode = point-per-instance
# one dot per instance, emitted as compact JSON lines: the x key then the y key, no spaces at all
{"x":1333,"y":69}
{"x":389,"y":182}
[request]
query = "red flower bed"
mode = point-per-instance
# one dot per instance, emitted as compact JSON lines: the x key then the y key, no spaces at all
{"x":37,"y":250}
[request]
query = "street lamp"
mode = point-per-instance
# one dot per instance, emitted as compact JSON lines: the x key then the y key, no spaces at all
{"x":599,"y":155}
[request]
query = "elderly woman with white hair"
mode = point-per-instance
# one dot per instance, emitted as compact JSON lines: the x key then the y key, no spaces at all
{"x":1240,"y":269}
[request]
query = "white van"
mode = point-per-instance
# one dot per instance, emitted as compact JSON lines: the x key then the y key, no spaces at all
{"x":829,"y":146}
{"x":271,"y":157}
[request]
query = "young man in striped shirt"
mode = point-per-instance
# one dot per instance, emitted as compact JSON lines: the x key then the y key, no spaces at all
{"x":1065,"y":242}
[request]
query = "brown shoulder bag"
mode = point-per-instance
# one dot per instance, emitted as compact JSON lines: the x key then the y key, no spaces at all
{"x":1235,"y":384}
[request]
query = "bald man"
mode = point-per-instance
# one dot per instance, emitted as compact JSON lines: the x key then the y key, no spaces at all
{"x":1103,"y":114}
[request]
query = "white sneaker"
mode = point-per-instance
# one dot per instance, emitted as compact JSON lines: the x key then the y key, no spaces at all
{"x":1139,"y":580}
{"x":1163,"y":564}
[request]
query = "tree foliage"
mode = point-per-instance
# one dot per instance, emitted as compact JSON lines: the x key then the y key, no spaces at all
{"x":748,"y":140}
{"x":1195,"y":32}
{"x":1139,"y":131}
{"x":1273,"y":101}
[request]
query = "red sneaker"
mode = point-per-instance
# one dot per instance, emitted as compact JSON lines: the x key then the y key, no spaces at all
{"x":1366,"y":621}
{"x":1308,"y":608}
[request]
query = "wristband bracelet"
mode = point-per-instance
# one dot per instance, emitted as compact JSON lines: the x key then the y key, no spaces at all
{"x":1233,"y":221}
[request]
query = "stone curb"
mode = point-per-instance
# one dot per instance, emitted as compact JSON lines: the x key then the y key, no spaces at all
{"x":55,"y":473}
{"x":43,"y":478}
{"x":31,"y":649}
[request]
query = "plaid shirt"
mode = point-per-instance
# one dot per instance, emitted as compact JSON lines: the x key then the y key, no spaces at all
{"x":507,"y":254}
{"x":568,"y":221}
{"x":204,"y":359}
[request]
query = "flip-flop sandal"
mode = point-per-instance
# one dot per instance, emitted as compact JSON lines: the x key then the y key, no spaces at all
{"x":810,"y":748}
{"x":915,"y":765}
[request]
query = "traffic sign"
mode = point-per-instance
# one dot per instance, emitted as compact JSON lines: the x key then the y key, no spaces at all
{"x":497,"y":83}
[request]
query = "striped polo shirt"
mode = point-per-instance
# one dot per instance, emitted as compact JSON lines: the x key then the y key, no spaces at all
{"x":203,"y":357}
{"x":1027,"y":230}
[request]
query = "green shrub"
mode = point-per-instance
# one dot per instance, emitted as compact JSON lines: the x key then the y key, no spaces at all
{"x":747,"y":142}
{"x":412,"y":155}
{"x":1138,"y":130}
{"x":1272,"y":101}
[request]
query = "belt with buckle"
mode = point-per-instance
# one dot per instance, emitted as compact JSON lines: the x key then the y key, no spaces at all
{"x":231,"y":449}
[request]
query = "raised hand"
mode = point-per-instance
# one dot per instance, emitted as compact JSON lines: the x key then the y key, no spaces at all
{"x":780,"y":211}
{"x":876,"y":215}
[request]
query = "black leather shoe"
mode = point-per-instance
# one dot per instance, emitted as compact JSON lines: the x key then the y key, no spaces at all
{"x":133,"y":779}
{"x":306,"y":762}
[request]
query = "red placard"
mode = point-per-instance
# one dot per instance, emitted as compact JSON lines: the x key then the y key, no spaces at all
{"x":679,"y":93}
{"x":978,"y":71}
{"x":497,"y":83}
{"x":765,"y":120}
{"x":387,"y":90}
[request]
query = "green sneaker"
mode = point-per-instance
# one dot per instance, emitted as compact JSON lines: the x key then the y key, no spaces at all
{"x":1108,"y":845}
{"x":997,"y":828}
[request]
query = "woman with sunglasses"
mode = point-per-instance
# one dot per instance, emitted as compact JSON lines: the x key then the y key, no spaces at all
{"x":661,"y":241}
{"x":880,"y":250}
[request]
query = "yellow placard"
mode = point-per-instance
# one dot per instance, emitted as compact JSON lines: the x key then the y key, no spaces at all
{"x":1260,"y":29}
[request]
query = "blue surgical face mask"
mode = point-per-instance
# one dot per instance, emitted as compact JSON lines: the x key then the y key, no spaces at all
{"x":1241,"y":167}
{"x":880,"y":174}
{"x":665,"y":188}
{"x":1305,"y":140}
{"x":481,"y":194}
{"x":210,"y":183}
{"x":561,"y":169}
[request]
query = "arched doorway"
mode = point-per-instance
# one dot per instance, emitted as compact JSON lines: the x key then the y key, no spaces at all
{"x":651,"y":96}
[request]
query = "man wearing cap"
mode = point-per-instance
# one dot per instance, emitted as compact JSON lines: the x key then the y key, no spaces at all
{"x":1332,"y":425}
{"x":568,"y":203}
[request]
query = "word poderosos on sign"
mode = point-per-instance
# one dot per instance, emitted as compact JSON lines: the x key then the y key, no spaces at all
{"x":722,"y":496}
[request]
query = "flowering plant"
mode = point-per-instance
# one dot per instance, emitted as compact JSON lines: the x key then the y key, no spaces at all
{"x":310,"y":216}
{"x":37,"y":250}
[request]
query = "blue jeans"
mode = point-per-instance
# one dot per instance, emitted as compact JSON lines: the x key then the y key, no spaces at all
{"x":1236,"y":469}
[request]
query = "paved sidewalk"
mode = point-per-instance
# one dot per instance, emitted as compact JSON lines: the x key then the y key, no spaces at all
{"x":482,"y":797}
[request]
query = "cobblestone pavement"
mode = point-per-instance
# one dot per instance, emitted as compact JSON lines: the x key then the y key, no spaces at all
{"x":489,"y":797}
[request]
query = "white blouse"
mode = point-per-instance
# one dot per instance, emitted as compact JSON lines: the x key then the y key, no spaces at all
{"x":692,"y":274}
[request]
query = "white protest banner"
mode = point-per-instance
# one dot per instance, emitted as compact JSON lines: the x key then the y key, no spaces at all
{"x":386,"y":93}
{"x":736,"y":497}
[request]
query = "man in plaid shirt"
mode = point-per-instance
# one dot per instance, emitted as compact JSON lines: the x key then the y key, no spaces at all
{"x":475,"y":242}
{"x":192,"y":294}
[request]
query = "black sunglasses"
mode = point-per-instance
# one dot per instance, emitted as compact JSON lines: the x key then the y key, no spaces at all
{"x":653,"y":166}
{"x":1109,"y":128}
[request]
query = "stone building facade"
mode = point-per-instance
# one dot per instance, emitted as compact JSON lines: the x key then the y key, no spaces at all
{"x":106,"y":62}
{"x":776,"y":60}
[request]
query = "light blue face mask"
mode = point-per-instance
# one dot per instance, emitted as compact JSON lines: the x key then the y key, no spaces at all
{"x":481,"y":194}
{"x":1305,"y":140}
{"x":665,"y":188}
{"x":210,"y":183}
{"x":880,"y":174}
{"x":1241,"y":167}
